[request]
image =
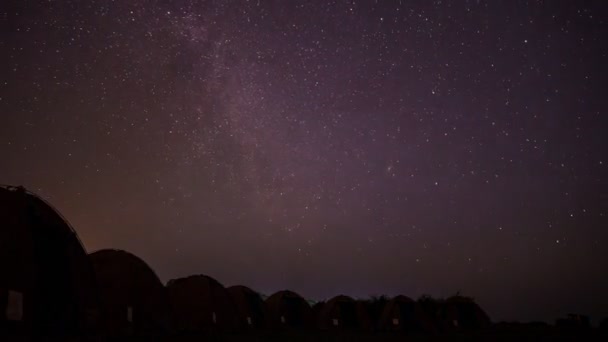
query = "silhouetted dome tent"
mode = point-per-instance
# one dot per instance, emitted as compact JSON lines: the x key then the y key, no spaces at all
{"x":201,"y":303}
{"x":288,"y":309}
{"x":462,"y":313}
{"x":47,"y":285}
{"x":249,"y":305}
{"x":343,"y":313}
{"x":134,"y":300}
{"x":403,"y":314}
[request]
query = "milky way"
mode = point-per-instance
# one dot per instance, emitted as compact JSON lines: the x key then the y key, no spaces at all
{"x":357,"y":147}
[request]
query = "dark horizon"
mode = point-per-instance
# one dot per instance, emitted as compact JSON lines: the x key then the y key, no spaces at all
{"x":358,"y":148}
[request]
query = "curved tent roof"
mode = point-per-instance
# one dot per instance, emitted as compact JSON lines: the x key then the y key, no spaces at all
{"x":462,"y":313}
{"x":343,"y":312}
{"x":250,"y":306}
{"x":134,"y":299}
{"x":403,"y":314}
{"x":47,"y":285}
{"x":201,"y":303}
{"x":288,"y":309}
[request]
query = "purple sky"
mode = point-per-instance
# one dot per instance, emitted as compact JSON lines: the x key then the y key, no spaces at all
{"x":328,"y":147}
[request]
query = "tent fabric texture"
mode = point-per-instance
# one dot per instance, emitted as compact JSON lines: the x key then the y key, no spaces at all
{"x":343,"y":313}
{"x":200,"y":303}
{"x":405,"y":315}
{"x":134,"y":300}
{"x":47,"y":284}
{"x":250,"y":307}
{"x":287,"y":309}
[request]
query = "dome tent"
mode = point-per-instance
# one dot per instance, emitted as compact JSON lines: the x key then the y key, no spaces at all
{"x":403,"y":314}
{"x":343,"y":313}
{"x":288,"y":309}
{"x":134,"y":300}
{"x":47,"y":285}
{"x":201,"y":303}
{"x":462,"y":313}
{"x":250,"y":306}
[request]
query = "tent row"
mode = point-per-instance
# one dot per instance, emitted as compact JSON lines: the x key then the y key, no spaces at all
{"x":135,"y":302}
{"x":51,"y":287}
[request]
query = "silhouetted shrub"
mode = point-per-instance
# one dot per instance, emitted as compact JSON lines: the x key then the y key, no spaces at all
{"x":573,"y":321}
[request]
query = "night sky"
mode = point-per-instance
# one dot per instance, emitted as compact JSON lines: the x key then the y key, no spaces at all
{"x":328,"y":147}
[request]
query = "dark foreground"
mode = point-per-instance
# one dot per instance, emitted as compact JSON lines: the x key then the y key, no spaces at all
{"x":490,"y":335}
{"x":330,"y":337}
{"x":482,"y":336}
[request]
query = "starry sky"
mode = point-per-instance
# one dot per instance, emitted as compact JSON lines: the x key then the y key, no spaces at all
{"x":328,"y":147}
